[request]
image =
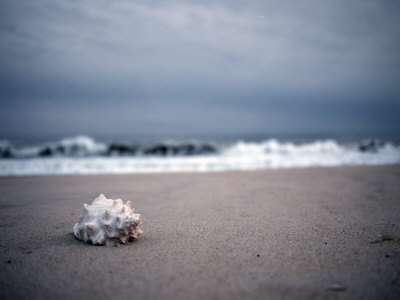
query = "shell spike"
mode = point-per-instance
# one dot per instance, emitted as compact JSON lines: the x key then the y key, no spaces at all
{"x":91,"y":227}
{"x":118,"y":202}
{"x":100,"y":198}
{"x":107,"y":216}
{"x":108,"y":225}
{"x":128,"y":204}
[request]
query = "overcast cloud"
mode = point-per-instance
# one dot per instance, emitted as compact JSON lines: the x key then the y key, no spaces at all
{"x":195,"y":68}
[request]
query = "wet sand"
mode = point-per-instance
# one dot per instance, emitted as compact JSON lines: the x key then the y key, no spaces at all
{"x":323,"y":233}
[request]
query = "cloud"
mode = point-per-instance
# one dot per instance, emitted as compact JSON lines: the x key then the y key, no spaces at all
{"x":247,"y":58}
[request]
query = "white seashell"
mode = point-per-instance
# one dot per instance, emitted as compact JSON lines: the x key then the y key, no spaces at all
{"x":107,"y":221}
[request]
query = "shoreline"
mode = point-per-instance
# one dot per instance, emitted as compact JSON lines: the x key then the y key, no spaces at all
{"x":150,"y":173}
{"x":330,"y":232}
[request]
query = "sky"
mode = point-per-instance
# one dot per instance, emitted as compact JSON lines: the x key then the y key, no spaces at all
{"x":193,"y":69}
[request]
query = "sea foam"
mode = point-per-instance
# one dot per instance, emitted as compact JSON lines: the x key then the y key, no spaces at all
{"x":83,"y":155}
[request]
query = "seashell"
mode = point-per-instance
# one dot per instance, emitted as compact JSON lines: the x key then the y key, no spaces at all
{"x":107,"y":221}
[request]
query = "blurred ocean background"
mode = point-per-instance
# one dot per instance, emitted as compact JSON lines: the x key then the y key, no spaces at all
{"x":111,"y":87}
{"x":85,"y":155}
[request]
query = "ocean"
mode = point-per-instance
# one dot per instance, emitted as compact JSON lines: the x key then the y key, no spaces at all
{"x":85,"y":155}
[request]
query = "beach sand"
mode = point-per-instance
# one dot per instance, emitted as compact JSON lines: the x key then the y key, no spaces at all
{"x":316,"y":233}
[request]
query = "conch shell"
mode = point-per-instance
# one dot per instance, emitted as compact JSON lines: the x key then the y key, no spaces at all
{"x":107,"y":221}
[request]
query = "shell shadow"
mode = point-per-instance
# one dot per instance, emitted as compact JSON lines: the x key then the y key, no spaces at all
{"x":68,"y":239}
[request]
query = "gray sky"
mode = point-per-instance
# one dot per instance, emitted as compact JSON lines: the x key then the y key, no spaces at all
{"x":128,"y":69}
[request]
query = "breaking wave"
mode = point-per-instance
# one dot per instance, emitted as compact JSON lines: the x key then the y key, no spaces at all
{"x":83,"y":146}
{"x":84,"y":155}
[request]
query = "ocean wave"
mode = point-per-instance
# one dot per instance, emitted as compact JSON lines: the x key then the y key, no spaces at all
{"x":84,"y":146}
{"x":84,"y":155}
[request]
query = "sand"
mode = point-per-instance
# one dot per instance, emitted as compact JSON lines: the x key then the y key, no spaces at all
{"x":323,"y":233}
